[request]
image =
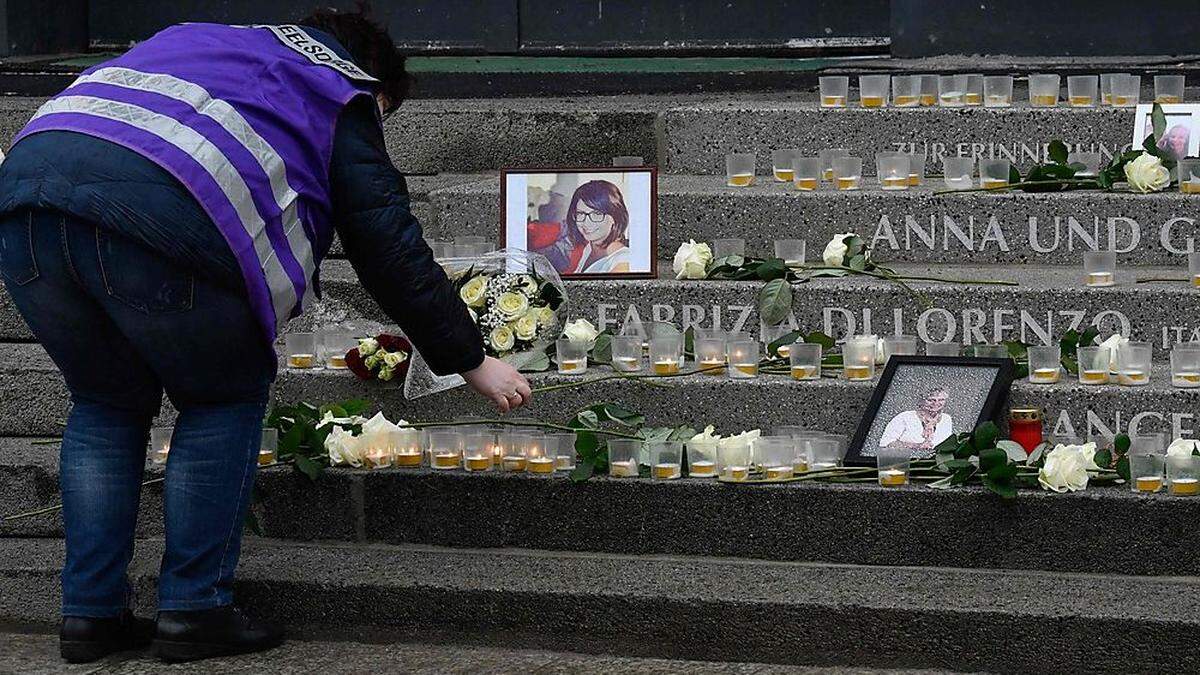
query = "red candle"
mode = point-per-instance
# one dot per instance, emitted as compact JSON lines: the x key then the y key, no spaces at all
{"x":1025,"y":427}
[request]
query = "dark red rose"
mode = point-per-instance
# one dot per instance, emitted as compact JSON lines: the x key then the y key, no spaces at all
{"x":355,"y":363}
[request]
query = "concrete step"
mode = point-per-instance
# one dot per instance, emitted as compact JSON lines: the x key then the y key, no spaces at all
{"x":1144,"y":535}
{"x":35,"y":401}
{"x":907,"y":226}
{"x":38,"y":653}
{"x":1048,"y":301}
{"x":691,"y":133}
{"x":683,"y":607}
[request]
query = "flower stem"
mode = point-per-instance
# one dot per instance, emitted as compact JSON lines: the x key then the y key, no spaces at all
{"x":1009,"y":186}
{"x":648,"y":379}
{"x":1148,"y":280}
{"x":542,"y":425}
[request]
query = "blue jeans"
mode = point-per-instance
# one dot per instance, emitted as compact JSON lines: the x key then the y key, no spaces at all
{"x":123,"y":324}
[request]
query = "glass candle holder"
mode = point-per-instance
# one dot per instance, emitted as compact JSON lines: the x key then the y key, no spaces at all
{"x":1082,"y":91}
{"x":627,"y":353}
{"x":1090,"y":162}
{"x":666,"y":460}
{"x":445,"y":449}
{"x":916,"y":168}
{"x":666,"y":354}
{"x":301,"y":350}
{"x":268,"y":447}
{"x":790,"y":251}
{"x":952,"y":90}
{"x":835,"y":91}
{"x":378,"y":450}
{"x":858,"y":358}
{"x":733,"y":459}
{"x":847,"y":173}
{"x":1106,"y":82}
{"x":942,"y":349}
{"x":1043,"y":90}
{"x":806,"y":173}
{"x":974,"y":92}
{"x":781,"y":164}
{"x":623,"y":457}
{"x":827,"y":157}
{"x":821,"y":453}
{"x":702,"y":459}
{"x":1045,"y":364}
{"x":1194,"y":268}
{"x":1127,"y":90}
{"x":892,"y":169}
{"x":408,"y":452}
{"x":997,"y":91}
{"x":1146,"y":472}
{"x":805,"y":360}
{"x":770,"y":334}
{"x":892,"y":466}
{"x":562,"y":444}
{"x":777,"y":456}
{"x":993,"y":173}
{"x":1189,"y":176}
{"x":1183,"y":475}
{"x":160,"y":444}
{"x":572,"y":356}
{"x":1099,"y":268}
{"x":334,"y":345}
{"x":723,"y":248}
{"x":929,"y":90}
{"x":477,"y":450}
{"x":710,"y":355}
{"x":1185,"y":368}
{"x":1134,"y":364}
{"x":898,"y":345}
{"x":1168,"y":89}
{"x":958,"y":172}
{"x":873,"y":90}
{"x":739,"y":169}
{"x":990,"y":351}
{"x":1148,"y":444}
{"x":513,"y":447}
{"x":539,"y":457}
{"x":906,"y":91}
{"x":743,"y":359}
{"x":1093,"y":365}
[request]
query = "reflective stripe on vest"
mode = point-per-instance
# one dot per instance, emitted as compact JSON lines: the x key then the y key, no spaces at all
{"x":217,"y":165}
{"x":232,"y":121}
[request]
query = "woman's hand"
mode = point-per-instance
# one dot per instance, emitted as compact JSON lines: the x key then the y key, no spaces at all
{"x":500,"y":382}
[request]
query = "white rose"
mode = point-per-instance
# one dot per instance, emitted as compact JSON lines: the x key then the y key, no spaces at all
{"x":546,"y":316}
{"x":1147,"y":174}
{"x":1112,"y":344}
{"x":706,"y":436}
{"x":343,"y":421}
{"x":367,"y":347}
{"x":385,"y":374}
{"x":512,"y":305}
{"x":474,"y":292}
{"x":1182,"y":447}
{"x":393,"y":359}
{"x":835,"y":250}
{"x":581,"y":331}
{"x":343,"y":448}
{"x":744,"y":438}
{"x":502,"y":338}
{"x":526,"y":326}
{"x":880,"y":352}
{"x":372,"y":361}
{"x":1066,"y":467}
{"x":692,"y":260}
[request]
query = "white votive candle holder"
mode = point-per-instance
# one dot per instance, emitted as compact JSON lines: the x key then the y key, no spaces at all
{"x":777,"y":456}
{"x":804,"y":359}
{"x":1146,"y":472}
{"x":1134,"y":364}
{"x":739,"y":169}
{"x":1168,"y":89}
{"x":723,"y":248}
{"x":572,"y":356}
{"x":892,"y":170}
{"x":898,"y":345}
{"x":627,"y":353}
{"x":958,"y":173}
{"x":1183,"y":475}
{"x":1194,"y":268}
{"x":666,"y":354}
{"x":781,"y":164}
{"x":710,"y":355}
{"x":847,"y":173}
{"x":409,"y":450}
{"x":993,"y":173}
{"x":1185,"y":367}
{"x":1093,"y":365}
{"x":858,"y":358}
{"x":790,"y":251}
{"x":827,"y":156}
{"x":943,"y":349}
{"x":1127,"y":90}
{"x":893,"y":466}
{"x":666,"y":460}
{"x":477,"y":451}
{"x":623,"y":457}
{"x":733,"y":459}
{"x":835,"y":90}
{"x":997,"y":91}
{"x":742,"y":357}
{"x":952,"y":90}
{"x":916,"y":168}
{"x":268,"y":447}
{"x":873,"y":90}
{"x":1090,"y":162}
{"x":906,"y":91}
{"x":335,"y":343}
{"x":445,"y":449}
{"x":806,"y":173}
{"x":702,"y":459}
{"x":1043,"y":90}
{"x":1099,"y":268}
{"x":929,"y":90}
{"x":301,"y":351}
{"x":539,"y":458}
{"x":1045,"y":364}
{"x":1189,"y":176}
{"x":1082,"y":91}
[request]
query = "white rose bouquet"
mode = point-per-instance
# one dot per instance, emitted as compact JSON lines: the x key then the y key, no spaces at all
{"x":517,"y":300}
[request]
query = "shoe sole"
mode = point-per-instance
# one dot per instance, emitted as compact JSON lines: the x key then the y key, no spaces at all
{"x":180,"y":652}
{"x":73,"y":651}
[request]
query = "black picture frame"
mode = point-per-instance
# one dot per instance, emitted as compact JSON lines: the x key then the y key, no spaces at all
{"x":993,"y":404}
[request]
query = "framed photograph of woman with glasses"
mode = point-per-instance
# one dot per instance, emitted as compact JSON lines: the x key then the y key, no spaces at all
{"x":589,"y":223}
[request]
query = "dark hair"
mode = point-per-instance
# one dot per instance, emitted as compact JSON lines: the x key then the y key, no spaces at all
{"x":369,"y":44}
{"x":603,"y":197}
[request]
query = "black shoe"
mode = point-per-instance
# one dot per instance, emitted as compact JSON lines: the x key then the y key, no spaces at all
{"x":203,"y":634}
{"x":84,"y":639}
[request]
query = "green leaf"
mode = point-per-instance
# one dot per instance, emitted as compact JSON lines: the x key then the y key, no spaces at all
{"x":1123,"y":467}
{"x":308,"y":467}
{"x":611,"y":412}
{"x":587,"y":446}
{"x":1150,"y":146}
{"x":583,"y":471}
{"x":1121,"y":444}
{"x":1014,"y":176}
{"x":1103,"y":458}
{"x":964,"y":449}
{"x":961,"y":476}
{"x":1058,"y":152}
{"x":585,"y":419}
{"x":602,"y":350}
{"x":950,"y":444}
{"x":775,"y":301}
{"x":942,"y":483}
{"x":986,"y":435}
{"x":788,"y":339}
{"x":538,"y":362}
{"x":1000,"y":480}
{"x":773,"y":268}
{"x":1014,"y":450}
{"x":858,"y":263}
{"x":991,"y":458}
{"x":1158,"y":120}
{"x":817,"y":337}
{"x":1070,"y":364}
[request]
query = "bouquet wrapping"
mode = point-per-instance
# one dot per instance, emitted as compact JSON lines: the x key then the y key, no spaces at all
{"x":519,"y":303}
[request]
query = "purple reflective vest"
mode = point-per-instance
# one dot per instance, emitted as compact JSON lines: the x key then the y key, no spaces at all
{"x":244,"y":117}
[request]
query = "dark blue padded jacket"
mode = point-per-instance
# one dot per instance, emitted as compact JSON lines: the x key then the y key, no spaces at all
{"x":120,"y":190}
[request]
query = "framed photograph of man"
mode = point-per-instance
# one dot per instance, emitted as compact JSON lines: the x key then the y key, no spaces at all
{"x":589,"y":223}
{"x":921,"y":401}
{"x":1182,"y":136}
